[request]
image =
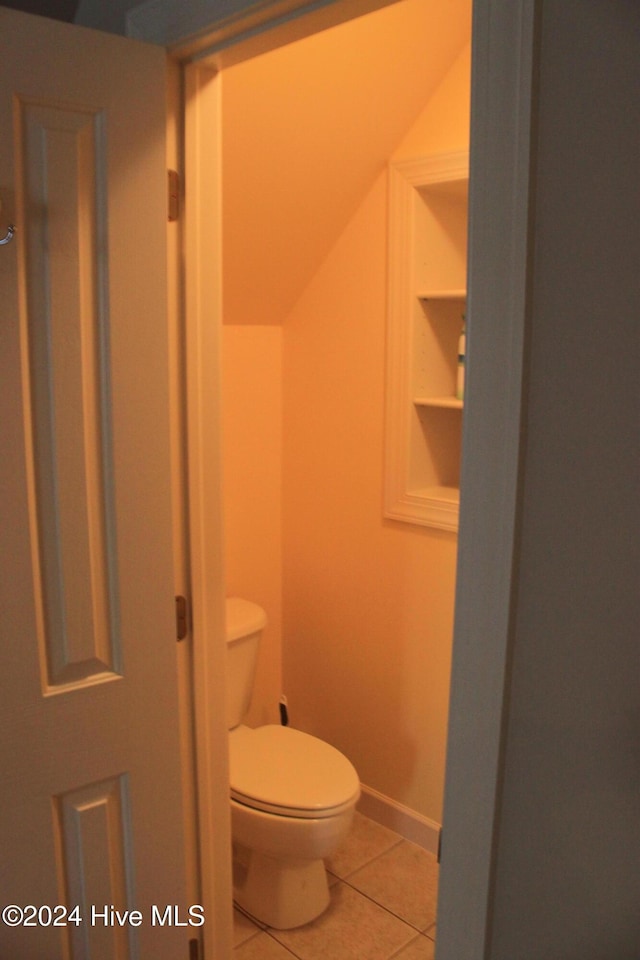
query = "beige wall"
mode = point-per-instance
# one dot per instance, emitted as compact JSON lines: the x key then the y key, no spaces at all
{"x":367,"y":604}
{"x":443,"y":125}
{"x":252,"y":443}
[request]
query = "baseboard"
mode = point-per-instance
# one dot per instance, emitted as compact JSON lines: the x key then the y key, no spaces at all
{"x":409,"y":824}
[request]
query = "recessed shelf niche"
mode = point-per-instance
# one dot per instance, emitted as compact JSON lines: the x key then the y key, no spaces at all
{"x":427,"y":299}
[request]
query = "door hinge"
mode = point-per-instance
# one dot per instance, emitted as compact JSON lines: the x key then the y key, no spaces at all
{"x":173,"y":194}
{"x":194,"y":950}
{"x":182,"y":617}
{"x":439,"y":856}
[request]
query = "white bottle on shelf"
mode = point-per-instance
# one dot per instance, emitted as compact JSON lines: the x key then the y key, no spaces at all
{"x":461,"y":361}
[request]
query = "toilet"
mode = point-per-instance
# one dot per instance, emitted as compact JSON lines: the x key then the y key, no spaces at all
{"x":293,"y":796}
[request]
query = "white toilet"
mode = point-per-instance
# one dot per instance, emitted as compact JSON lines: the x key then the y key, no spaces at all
{"x":292,"y":796}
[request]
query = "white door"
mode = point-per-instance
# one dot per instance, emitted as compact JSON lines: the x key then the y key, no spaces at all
{"x":90,"y":801}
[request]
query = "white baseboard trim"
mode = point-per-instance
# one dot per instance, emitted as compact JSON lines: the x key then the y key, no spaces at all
{"x":409,"y":824}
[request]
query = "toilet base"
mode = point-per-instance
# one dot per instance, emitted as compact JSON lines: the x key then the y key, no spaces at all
{"x":281,"y":894}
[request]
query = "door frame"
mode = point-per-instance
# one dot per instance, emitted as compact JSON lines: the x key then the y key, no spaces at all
{"x":504,"y":66}
{"x":202,"y":308}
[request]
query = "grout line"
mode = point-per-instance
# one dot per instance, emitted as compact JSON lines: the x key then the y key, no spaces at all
{"x":383,"y":907}
{"x":282,"y":946}
{"x":382,"y":853}
{"x":401,"y":949}
{"x":432,"y":926}
{"x":254,"y":921}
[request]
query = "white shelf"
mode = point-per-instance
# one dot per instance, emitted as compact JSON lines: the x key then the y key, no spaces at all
{"x":427,"y":295}
{"x":448,"y":403}
{"x":442,"y":295}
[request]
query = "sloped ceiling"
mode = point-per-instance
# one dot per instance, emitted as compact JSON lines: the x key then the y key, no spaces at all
{"x":306,"y":130}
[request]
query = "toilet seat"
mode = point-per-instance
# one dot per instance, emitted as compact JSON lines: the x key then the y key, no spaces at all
{"x":287,"y":772}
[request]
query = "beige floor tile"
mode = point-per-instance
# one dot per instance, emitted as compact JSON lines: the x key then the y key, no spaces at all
{"x":352,"y":928}
{"x":405,"y":881}
{"x":419,"y":949}
{"x":366,"y":840}
{"x":262,"y":947}
{"x":243,"y":928}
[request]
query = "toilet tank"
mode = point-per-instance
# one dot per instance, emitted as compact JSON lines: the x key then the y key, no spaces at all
{"x":245,"y":623}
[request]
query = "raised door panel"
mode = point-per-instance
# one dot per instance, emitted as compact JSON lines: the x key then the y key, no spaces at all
{"x":61,"y":174}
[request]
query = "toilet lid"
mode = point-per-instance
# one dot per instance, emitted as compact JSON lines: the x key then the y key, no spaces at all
{"x":285,"y":771}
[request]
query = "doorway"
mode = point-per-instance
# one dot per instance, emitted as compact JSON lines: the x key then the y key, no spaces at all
{"x":367,"y":602}
{"x":499,"y":411}
{"x":305,"y":160}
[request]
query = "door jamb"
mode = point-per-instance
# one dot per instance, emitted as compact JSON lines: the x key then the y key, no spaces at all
{"x":203,"y":311}
{"x":502,"y":154}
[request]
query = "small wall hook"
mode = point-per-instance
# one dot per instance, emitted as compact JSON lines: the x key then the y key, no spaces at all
{"x":9,"y":235}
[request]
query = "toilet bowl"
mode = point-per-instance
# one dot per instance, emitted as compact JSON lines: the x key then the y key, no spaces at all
{"x":293,"y":797}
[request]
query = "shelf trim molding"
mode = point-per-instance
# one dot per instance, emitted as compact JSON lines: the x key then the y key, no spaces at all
{"x":442,"y":295}
{"x":445,"y":403}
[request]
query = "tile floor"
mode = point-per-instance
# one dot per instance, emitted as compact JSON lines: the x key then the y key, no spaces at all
{"x":383,"y":906}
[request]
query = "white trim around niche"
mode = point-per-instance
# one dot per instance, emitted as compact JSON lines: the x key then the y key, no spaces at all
{"x":429,"y":506}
